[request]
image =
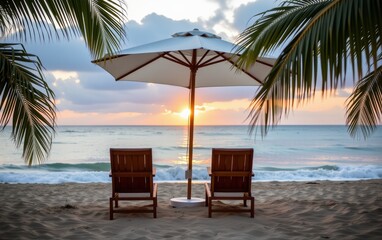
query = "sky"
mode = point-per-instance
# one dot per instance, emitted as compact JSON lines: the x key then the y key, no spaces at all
{"x":87,"y":95}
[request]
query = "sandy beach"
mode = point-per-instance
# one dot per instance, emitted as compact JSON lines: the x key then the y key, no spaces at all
{"x":284,"y":210}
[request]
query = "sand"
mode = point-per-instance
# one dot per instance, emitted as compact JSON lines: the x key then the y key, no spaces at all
{"x":284,"y":210}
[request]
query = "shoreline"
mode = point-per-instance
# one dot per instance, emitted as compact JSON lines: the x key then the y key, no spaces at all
{"x":207,"y":181}
{"x":307,"y":181}
{"x":284,"y":210}
{"x":57,"y":173}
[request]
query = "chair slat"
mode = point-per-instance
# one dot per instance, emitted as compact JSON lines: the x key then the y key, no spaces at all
{"x":231,"y":171}
{"x":131,"y":172}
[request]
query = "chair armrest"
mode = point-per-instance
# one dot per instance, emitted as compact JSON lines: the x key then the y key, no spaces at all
{"x":209,"y":171}
{"x":208,"y":190}
{"x":155,"y":190}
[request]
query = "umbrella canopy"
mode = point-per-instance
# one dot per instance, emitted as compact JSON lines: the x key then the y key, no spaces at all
{"x":190,"y":59}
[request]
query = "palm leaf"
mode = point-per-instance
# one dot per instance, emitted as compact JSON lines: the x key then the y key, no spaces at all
{"x":27,"y":100}
{"x":364,"y":106}
{"x":322,"y":36}
{"x":100,"y":22}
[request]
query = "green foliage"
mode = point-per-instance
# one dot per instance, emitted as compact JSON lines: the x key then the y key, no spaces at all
{"x":319,"y":39}
{"x":100,"y":22}
{"x":26,"y":99}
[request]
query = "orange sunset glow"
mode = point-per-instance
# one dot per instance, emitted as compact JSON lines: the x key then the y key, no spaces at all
{"x":329,"y":110}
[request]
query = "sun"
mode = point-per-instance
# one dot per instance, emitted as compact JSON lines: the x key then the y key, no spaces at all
{"x":185,"y":113}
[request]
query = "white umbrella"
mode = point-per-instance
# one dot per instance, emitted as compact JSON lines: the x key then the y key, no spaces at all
{"x":189,"y":59}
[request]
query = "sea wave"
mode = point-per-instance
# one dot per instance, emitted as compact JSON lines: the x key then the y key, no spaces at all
{"x":59,"y":167}
{"x":99,"y":172}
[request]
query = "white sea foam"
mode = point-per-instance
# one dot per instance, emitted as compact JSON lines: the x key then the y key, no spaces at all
{"x":288,"y":153}
{"x":332,"y":173}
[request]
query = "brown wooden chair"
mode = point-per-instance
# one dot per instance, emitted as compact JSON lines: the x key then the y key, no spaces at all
{"x":231,"y":177}
{"x":132,"y":175}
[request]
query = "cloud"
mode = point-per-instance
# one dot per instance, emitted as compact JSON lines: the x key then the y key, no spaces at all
{"x":156,"y":27}
{"x":225,"y":93}
{"x":90,"y":91}
{"x":244,"y":16}
{"x":73,"y":94}
{"x":63,"y":55}
{"x":174,"y":9}
{"x":234,"y":105}
{"x":86,"y":93}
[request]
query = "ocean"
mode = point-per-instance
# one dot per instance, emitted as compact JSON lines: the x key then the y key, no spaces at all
{"x":288,"y":153}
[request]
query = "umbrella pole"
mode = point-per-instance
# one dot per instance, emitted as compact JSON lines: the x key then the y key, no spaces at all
{"x":190,"y":202}
{"x":191,"y":123}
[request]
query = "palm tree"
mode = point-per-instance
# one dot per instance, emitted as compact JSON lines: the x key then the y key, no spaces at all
{"x":25,"y":98}
{"x":322,"y":39}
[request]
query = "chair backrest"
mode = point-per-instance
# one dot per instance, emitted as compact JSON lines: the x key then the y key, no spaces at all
{"x":231,"y":170}
{"x":131,"y":170}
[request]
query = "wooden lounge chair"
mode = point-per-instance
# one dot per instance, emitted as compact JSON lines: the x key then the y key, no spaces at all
{"x":231,"y":175}
{"x":132,"y":175}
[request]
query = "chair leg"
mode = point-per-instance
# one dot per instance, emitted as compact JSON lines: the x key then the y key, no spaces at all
{"x":209,"y":207}
{"x":155,"y":208}
{"x":252,"y":207}
{"x":116,"y":203}
{"x":245,"y":203}
{"x":111,"y":211}
{"x":206,"y":198}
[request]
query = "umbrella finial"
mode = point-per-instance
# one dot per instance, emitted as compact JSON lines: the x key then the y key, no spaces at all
{"x":196,"y":32}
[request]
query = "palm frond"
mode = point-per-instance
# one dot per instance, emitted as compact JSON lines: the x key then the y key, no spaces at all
{"x":27,"y":100}
{"x":364,"y":106}
{"x":100,"y":22}
{"x":322,"y":36}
